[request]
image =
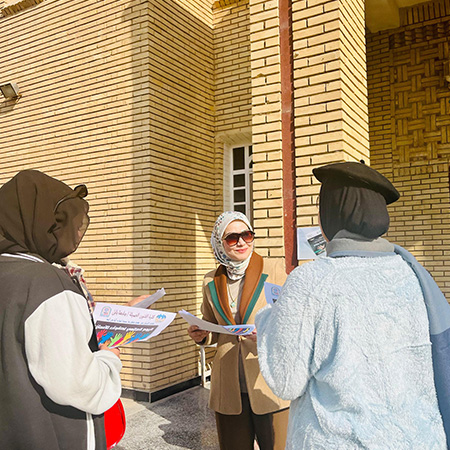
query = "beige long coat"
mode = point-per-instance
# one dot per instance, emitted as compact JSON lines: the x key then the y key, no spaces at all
{"x":225,"y":396}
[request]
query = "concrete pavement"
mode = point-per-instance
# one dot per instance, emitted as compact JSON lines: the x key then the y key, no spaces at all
{"x":181,"y":421}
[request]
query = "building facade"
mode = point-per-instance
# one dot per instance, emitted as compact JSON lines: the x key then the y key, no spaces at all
{"x":173,"y":110}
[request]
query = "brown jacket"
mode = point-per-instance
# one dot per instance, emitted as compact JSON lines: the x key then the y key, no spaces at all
{"x":225,"y":393}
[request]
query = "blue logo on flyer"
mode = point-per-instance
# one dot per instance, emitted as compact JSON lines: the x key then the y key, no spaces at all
{"x":105,"y":312}
{"x":160,"y":318}
{"x":276,"y":291}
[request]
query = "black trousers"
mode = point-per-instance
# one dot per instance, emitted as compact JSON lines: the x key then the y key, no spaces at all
{"x":238,"y":432}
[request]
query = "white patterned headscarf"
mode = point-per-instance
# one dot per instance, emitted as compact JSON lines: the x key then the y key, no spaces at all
{"x":235,"y":269}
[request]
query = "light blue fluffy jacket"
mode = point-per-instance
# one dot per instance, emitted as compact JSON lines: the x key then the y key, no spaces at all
{"x":348,"y":342}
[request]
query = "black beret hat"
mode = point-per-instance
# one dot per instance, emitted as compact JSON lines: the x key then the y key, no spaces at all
{"x":358,"y":174}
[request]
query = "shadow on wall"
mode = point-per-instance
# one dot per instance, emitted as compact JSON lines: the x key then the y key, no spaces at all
{"x":7,"y":106}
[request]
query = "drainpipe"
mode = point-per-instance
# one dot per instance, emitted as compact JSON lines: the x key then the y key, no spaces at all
{"x":287,"y":135}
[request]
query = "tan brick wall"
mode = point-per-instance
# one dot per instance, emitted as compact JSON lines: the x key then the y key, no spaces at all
{"x":266,"y":126}
{"x":424,"y":12}
{"x":145,"y":96}
{"x":182,"y":165}
{"x":379,"y":87}
{"x":331,"y":122}
{"x":232,"y":89}
{"x":421,"y":218}
{"x":120,"y":96}
{"x":82,"y":68}
{"x":409,"y":130}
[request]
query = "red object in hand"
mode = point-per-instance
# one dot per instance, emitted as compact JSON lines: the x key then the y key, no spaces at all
{"x":115,"y":424}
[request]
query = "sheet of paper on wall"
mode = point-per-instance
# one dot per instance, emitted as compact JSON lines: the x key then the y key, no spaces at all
{"x":272,"y":292}
{"x":236,"y":330}
{"x":310,"y":243}
{"x":148,"y":301}
{"x":118,"y":325}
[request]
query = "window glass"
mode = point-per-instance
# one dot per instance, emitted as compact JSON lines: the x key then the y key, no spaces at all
{"x":239,"y":196}
{"x":238,"y":158}
{"x":239,"y":180}
{"x":242,"y":178}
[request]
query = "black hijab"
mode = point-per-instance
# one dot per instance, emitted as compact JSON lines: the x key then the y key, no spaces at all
{"x":41,"y":215}
{"x":354,"y":197}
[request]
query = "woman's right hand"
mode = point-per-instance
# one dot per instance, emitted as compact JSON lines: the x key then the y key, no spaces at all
{"x":196,"y":334}
{"x":137,"y":300}
{"x":115,"y":350}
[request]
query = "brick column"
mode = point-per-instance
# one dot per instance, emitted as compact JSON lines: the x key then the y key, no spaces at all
{"x":266,"y":127}
{"x":330,"y":91}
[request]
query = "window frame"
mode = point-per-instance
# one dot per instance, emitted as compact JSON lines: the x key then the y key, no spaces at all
{"x":247,"y":171}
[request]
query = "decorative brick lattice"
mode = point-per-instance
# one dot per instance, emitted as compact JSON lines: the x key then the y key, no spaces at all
{"x":420,"y":94}
{"x":409,"y":119}
{"x":427,"y":11}
{"x":440,"y":30}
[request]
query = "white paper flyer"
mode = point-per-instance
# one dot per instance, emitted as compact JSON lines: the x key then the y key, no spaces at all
{"x":237,"y":330}
{"x":272,"y":292}
{"x":310,"y":243}
{"x":148,"y":301}
{"x":118,"y":325}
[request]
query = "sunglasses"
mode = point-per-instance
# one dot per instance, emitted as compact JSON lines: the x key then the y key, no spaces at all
{"x":233,"y":238}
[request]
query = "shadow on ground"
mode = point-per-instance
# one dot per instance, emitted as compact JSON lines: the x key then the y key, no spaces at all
{"x":181,"y":421}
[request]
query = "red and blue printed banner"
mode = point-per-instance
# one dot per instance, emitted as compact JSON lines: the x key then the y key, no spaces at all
{"x":236,"y":330}
{"x":118,"y":325}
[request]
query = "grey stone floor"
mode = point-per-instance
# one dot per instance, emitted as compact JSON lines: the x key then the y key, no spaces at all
{"x":181,"y":421}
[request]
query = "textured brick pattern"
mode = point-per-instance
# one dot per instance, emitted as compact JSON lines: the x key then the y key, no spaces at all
{"x":119,"y":95}
{"x":420,"y":96}
{"x":266,"y":126}
{"x":232,"y":99}
{"x":182,"y":165}
{"x":424,"y":12}
{"x":232,"y":93}
{"x":421,"y":218}
{"x":82,"y":68}
{"x":142,"y":101}
{"x":408,"y":109}
{"x":379,"y":97}
{"x":331,"y":122}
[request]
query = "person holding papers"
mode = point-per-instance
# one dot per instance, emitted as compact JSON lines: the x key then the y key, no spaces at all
{"x":348,"y":340}
{"x":245,"y":407}
{"x":54,"y":383}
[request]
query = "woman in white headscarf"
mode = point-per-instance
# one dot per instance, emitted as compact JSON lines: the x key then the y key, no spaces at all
{"x":232,"y":294}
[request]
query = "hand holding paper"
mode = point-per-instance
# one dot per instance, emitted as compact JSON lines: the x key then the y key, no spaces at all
{"x":116,"y":351}
{"x":145,"y":301}
{"x":236,"y":330}
{"x":252,"y":336}
{"x":196,"y":334}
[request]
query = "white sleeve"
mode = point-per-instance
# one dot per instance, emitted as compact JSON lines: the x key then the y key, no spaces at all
{"x":286,"y":338}
{"x":59,"y":358}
